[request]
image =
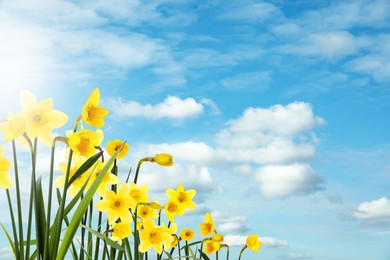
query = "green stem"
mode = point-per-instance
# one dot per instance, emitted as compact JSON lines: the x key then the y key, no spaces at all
{"x":16,"y":243}
{"x":99,"y":224}
{"x":30,"y":209}
{"x":20,"y":219}
{"x":187,"y":251}
{"x":62,"y":204}
{"x":46,"y":252}
{"x":242,"y":250}
{"x":146,"y":159}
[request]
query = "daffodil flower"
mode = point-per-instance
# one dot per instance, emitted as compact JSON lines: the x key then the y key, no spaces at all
{"x":138,"y":194}
{"x":114,"y":145}
{"x":182,"y":197}
{"x":154,"y":236}
{"x":5,"y":178}
{"x":210,"y":246}
{"x":207,"y":227}
{"x":173,"y":208}
{"x":253,"y":243}
{"x":187,"y":234}
{"x":40,"y":118}
{"x":120,"y":231}
{"x":85,"y":141}
{"x":14,"y":127}
{"x":92,"y":113}
{"x":116,"y":204}
{"x":163,"y":159}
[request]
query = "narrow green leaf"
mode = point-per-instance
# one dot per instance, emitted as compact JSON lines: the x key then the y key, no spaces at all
{"x":81,"y":209}
{"x":203,"y":254}
{"x":9,"y":240}
{"x":109,"y":241}
{"x":40,"y":217}
{"x":84,"y":167}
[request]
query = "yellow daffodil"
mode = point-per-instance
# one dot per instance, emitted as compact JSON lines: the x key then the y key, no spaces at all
{"x":120,"y":231}
{"x":116,"y":204}
{"x":5,"y":178}
{"x":210,"y":246}
{"x":163,"y":159}
{"x":172,"y":208}
{"x":40,"y":118}
{"x":217,"y":238}
{"x":187,"y":234}
{"x":138,"y":195}
{"x":14,"y":127}
{"x":92,"y":114}
{"x":146,"y":212}
{"x":207,"y":227}
{"x":85,"y":141}
{"x":182,"y":197}
{"x":115,"y":145}
{"x":109,"y":179}
{"x":253,"y":243}
{"x":154,"y":236}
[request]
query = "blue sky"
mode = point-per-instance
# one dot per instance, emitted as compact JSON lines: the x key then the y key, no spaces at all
{"x":277,"y":112}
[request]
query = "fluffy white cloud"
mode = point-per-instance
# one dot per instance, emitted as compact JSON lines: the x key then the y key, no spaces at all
{"x":279,"y":138}
{"x":289,"y":120}
{"x":238,"y":240}
{"x":172,"y":107}
{"x":329,"y":45}
{"x":286,"y":180}
{"x":375,"y":210}
{"x":229,"y":222}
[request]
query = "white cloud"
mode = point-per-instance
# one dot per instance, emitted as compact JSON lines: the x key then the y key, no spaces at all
{"x":349,"y":14}
{"x":289,"y":120}
{"x":375,"y":210}
{"x":376,"y":65}
{"x":287,"y":29}
{"x":229,"y":222}
{"x":64,"y":43}
{"x":254,"y":12}
{"x":172,"y":107}
{"x":286,"y":180}
{"x":279,"y":138}
{"x":252,"y":80}
{"x":239,"y":240}
{"x":332,"y":45}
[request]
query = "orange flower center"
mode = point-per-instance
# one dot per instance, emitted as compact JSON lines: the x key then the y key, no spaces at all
{"x":182,"y":197}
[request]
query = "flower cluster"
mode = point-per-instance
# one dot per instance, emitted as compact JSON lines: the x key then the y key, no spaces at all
{"x":125,"y":211}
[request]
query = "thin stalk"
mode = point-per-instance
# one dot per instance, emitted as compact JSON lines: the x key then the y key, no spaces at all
{"x":62,"y":204}
{"x":49,"y":206}
{"x":99,"y":224}
{"x":30,"y":209}
{"x":136,"y":256}
{"x":146,"y":159}
{"x":19,"y":205}
{"x":16,"y":243}
{"x":187,"y":251}
{"x":242,"y":250}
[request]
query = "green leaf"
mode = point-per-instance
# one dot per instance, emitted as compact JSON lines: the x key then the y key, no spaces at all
{"x":109,"y":241}
{"x":203,"y":254}
{"x":40,"y":217}
{"x":9,"y":240}
{"x":81,"y":209}
{"x":83,"y":168}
